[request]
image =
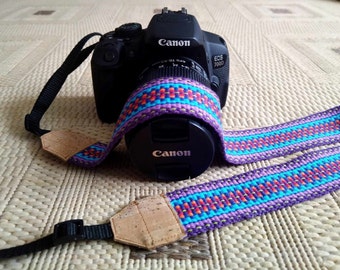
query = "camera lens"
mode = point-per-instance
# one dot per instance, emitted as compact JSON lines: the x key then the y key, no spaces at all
{"x":172,"y":146}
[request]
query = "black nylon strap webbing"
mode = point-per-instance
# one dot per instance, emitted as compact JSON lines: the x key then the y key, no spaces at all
{"x":64,"y":232}
{"x":54,"y":84}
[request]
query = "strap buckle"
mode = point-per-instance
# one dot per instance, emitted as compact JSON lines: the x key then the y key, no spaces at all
{"x":68,"y":231}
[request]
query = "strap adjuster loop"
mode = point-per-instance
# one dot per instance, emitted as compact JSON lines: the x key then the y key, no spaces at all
{"x":32,"y":125}
{"x":68,"y":231}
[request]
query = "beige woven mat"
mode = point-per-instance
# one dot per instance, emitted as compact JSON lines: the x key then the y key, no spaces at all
{"x":285,"y":64}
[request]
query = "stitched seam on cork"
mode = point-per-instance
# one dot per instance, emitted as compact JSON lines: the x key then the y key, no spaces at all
{"x":173,"y":213}
{"x":114,"y":229}
{"x":147,"y":229}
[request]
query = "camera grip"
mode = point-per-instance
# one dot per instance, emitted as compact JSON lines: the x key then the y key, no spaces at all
{"x":105,"y":77}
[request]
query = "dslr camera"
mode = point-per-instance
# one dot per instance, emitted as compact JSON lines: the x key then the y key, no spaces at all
{"x":173,"y":45}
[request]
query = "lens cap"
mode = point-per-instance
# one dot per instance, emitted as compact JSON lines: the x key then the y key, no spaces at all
{"x":171,"y":148}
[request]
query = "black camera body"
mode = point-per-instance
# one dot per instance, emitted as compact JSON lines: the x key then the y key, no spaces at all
{"x":173,"y":45}
{"x":130,"y":55}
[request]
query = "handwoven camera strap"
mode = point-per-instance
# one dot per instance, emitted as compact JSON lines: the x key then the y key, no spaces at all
{"x":159,"y":220}
{"x":184,"y":97}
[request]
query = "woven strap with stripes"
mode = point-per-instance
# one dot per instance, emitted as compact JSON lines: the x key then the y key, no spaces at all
{"x":185,"y":97}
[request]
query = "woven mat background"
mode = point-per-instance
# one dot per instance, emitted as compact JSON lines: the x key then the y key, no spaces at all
{"x":285,"y":64}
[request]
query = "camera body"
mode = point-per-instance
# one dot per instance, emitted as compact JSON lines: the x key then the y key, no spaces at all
{"x":173,"y":44}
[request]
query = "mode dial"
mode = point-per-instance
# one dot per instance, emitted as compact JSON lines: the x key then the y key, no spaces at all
{"x":128,"y":30}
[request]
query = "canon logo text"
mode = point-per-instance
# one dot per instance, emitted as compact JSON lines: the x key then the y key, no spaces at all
{"x":160,"y":153}
{"x":174,"y":43}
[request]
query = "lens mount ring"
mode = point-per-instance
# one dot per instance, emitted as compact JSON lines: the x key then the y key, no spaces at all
{"x":175,"y":67}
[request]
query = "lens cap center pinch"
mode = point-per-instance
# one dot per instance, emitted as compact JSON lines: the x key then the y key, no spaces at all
{"x":171,"y":148}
